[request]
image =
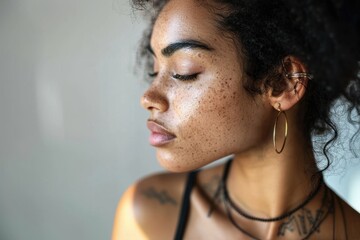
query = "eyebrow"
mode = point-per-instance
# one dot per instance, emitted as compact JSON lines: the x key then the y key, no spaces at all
{"x":184,"y":44}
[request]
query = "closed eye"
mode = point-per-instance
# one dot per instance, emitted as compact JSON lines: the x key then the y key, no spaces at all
{"x":177,"y":76}
{"x":185,"y":77}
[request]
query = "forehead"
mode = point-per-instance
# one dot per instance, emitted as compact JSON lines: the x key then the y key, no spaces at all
{"x":184,"y":19}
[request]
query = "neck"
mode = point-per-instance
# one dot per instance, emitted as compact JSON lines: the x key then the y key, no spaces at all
{"x":268,"y":184}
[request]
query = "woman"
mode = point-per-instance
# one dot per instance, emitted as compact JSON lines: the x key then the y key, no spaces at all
{"x":252,"y":79}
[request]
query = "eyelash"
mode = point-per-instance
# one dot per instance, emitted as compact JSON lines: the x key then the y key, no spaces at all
{"x":185,"y":77}
{"x":153,"y":74}
{"x":178,"y":76}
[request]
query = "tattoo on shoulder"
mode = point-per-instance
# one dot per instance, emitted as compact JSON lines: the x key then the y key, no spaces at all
{"x":161,"y":196}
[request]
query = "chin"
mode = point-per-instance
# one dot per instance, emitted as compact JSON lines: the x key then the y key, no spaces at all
{"x":181,"y":162}
{"x":173,"y":164}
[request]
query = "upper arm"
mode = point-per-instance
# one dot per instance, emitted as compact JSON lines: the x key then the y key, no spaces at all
{"x":125,"y":222}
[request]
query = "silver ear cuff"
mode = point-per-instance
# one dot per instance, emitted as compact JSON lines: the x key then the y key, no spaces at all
{"x":299,"y":75}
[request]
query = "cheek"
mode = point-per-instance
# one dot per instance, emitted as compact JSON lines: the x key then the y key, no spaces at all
{"x":223,"y":114}
{"x":211,"y":120}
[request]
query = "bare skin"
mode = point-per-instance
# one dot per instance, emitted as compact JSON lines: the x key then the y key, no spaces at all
{"x":140,"y":216}
{"x":212,"y":116}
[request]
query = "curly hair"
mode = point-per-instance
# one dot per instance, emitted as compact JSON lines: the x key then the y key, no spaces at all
{"x":324,"y":35}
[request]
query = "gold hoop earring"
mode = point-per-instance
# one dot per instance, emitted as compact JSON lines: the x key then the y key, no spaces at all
{"x":274,"y":131}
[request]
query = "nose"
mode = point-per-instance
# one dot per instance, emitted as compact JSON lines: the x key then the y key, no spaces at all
{"x":154,"y":100}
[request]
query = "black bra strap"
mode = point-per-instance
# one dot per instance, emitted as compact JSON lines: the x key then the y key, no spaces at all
{"x":185,"y":206}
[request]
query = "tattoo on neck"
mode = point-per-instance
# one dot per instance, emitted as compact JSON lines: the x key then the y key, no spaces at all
{"x":162,"y":196}
{"x":303,"y":222}
{"x":211,"y":186}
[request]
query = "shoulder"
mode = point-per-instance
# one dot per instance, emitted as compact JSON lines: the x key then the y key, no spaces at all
{"x":150,"y":207}
{"x":351,"y":220}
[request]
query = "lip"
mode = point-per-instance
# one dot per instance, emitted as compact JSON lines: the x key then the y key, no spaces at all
{"x":159,"y":134}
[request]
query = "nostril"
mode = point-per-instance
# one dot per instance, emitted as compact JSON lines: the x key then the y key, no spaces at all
{"x":154,"y":101}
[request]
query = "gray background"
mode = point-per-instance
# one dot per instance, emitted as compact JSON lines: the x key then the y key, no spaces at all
{"x":72,"y":132}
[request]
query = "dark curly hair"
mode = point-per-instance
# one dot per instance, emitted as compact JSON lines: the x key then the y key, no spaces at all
{"x":324,"y":35}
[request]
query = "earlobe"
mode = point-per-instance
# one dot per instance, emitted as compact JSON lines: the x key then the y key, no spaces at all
{"x":296,"y":76}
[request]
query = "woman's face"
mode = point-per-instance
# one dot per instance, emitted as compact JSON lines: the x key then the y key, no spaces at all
{"x":197,"y":93}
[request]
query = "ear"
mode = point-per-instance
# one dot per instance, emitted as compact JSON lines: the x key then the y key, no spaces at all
{"x":296,"y":77}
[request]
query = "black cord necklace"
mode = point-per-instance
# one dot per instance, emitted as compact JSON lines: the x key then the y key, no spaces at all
{"x":228,"y":203}
{"x":274,"y":219}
